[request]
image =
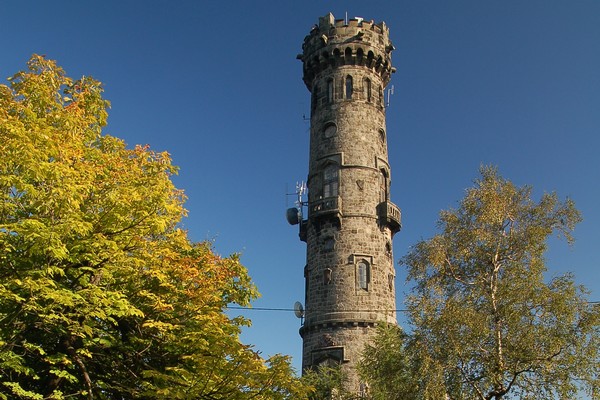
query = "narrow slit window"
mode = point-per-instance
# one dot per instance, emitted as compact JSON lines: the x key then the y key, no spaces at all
{"x":348,"y":87}
{"x":368,"y":90}
{"x":363,"y":275}
{"x":383,"y":186}
{"x":327,"y":276}
{"x":330,"y":91}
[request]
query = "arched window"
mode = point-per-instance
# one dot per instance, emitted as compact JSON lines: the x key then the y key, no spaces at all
{"x":359,"y":56}
{"x":348,"y":55}
{"x":348,"y":87}
{"x":330,"y":181}
{"x":363,"y":275}
{"x":368,"y":90}
{"x":330,"y":91}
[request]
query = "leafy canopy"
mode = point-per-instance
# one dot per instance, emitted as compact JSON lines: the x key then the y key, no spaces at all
{"x":101,"y":294}
{"x":485,"y":322}
{"x":326,"y":382}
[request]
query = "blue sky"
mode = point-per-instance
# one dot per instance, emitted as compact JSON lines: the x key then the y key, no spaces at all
{"x":217,"y":84}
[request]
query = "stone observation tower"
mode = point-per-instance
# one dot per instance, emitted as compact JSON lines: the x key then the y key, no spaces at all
{"x":350,"y":219}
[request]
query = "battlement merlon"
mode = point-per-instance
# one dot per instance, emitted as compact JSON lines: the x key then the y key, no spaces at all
{"x":358,"y":42}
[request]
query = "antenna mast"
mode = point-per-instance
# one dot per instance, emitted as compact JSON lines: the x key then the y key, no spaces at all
{"x":294,"y":214}
{"x":300,"y":191}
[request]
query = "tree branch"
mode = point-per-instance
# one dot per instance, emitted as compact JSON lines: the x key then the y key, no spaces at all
{"x":73,"y":353}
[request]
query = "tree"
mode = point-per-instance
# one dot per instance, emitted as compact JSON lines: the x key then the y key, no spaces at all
{"x":486,"y":325}
{"x":326,"y":382}
{"x":386,"y":366}
{"x":101,"y":293}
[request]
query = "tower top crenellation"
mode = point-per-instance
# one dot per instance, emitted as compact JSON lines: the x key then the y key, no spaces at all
{"x":338,"y":42}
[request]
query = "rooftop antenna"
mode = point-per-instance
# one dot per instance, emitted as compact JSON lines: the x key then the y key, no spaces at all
{"x":294,"y":214}
{"x":389,"y":93}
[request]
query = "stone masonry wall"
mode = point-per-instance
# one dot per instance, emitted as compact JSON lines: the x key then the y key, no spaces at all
{"x":350,"y":269}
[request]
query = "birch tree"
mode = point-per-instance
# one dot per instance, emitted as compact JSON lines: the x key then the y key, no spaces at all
{"x":486,"y":320}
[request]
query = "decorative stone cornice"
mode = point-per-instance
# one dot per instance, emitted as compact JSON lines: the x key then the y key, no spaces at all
{"x":336,"y":324}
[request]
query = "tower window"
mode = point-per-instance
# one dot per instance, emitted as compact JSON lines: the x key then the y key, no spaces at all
{"x":327,"y":276}
{"x":363,"y":275}
{"x":348,"y":87}
{"x":328,"y":244}
{"x":368,"y":90}
{"x":330,"y":91}
{"x":330,"y":181}
{"x":383,"y":186}
{"x":330,"y":130}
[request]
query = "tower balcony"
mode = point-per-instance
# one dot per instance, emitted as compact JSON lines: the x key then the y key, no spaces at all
{"x":326,"y":207}
{"x":303,"y":230}
{"x":389,"y":214}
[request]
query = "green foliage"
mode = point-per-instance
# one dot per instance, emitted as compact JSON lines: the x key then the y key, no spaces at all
{"x":386,"y":366}
{"x":486,"y":323}
{"x":101,"y":294}
{"x":326,"y":383}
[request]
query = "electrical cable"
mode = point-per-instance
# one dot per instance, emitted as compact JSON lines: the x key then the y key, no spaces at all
{"x":292,"y":310}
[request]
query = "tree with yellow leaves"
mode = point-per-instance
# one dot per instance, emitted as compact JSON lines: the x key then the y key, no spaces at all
{"x":101,"y":294}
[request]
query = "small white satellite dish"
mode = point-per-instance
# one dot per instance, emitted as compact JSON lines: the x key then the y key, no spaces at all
{"x":298,"y":309}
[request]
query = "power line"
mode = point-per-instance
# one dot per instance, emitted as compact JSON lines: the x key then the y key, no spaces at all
{"x":292,"y":310}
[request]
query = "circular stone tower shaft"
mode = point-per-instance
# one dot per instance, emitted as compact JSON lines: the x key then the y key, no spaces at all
{"x":351,"y":221}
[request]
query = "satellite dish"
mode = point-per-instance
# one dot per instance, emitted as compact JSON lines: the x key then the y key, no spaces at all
{"x":298,"y":309}
{"x":293,"y":216}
